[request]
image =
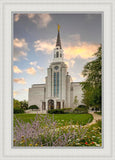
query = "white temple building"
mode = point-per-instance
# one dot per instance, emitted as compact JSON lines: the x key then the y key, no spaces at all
{"x":58,"y":91}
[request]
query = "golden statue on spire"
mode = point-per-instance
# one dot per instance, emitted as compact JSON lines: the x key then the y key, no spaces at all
{"x":58,"y":27}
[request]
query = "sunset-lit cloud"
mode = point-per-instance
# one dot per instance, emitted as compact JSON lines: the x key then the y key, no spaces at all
{"x":31,"y":71}
{"x":16,"y":17}
{"x":20,"y":43}
{"x":40,"y":68}
{"x":20,"y":80}
{"x":46,"y":46}
{"x":70,"y":63}
{"x":15,"y":59}
{"x":74,"y":78}
{"x":83,"y":50}
{"x":33,"y":63}
{"x":17,"y":70}
{"x":41,"y":20}
{"x":30,"y":15}
{"x":15,"y":93}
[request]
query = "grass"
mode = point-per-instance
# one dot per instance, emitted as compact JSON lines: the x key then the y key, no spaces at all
{"x":62,"y":119}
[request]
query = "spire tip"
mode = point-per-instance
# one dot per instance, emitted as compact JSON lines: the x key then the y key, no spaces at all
{"x":58,"y":27}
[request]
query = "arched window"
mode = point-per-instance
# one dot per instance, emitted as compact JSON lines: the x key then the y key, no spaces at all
{"x":56,"y":84}
{"x":57,"y":54}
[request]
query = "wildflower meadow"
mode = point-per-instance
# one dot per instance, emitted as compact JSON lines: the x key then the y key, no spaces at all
{"x":44,"y":130}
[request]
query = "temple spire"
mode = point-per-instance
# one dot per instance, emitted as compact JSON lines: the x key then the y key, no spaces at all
{"x":58,"y":43}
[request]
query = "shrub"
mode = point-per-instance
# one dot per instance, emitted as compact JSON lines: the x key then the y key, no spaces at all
{"x":82,"y":106}
{"x":18,"y":110}
{"x":68,"y":110}
{"x":56,"y":111}
{"x":80,"y":110}
{"x":33,"y":107}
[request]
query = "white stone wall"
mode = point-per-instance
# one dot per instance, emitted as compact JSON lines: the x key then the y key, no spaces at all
{"x":68,"y":89}
{"x":76,"y":91}
{"x":37,"y":95}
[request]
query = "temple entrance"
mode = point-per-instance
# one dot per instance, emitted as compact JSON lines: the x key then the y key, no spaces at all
{"x":50,"y":104}
{"x":58,"y":106}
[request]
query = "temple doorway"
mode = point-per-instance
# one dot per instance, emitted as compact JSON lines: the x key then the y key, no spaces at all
{"x":50,"y":104}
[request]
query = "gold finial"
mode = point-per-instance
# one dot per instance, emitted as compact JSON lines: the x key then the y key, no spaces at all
{"x":58,"y":27}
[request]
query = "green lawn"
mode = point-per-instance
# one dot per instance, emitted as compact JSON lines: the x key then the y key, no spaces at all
{"x":62,"y":119}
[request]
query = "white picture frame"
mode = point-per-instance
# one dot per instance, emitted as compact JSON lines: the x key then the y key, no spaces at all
{"x":9,"y":6}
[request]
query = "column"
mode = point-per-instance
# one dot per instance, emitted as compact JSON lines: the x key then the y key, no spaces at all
{"x":46,"y":105}
{"x":54,"y":104}
{"x":61,"y":104}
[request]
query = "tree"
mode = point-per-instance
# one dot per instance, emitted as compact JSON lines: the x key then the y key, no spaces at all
{"x":33,"y":107}
{"x":75,"y":101}
{"x":24,"y":104}
{"x":92,"y":86}
{"x":16,"y":103}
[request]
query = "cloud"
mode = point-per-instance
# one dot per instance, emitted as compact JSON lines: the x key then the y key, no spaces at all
{"x":74,"y":78}
{"x":70,"y":63}
{"x":46,"y":46}
{"x":20,"y":43}
{"x":30,"y":16}
{"x":23,"y":53}
{"x":40,"y":68}
{"x":16,"y":17}
{"x":78,"y":48}
{"x":41,"y":20}
{"x":16,"y":69}
{"x":26,"y":89}
{"x":31,"y":71}
{"x":15,"y":59}
{"x":83,"y":50}
{"x":33,"y":63}
{"x":18,"y":54}
{"x":20,"y":91}
{"x":20,"y":80}
{"x":15,"y":93}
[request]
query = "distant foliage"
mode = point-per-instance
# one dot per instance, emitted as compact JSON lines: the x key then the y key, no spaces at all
{"x":56,"y":111}
{"x":33,"y":107}
{"x":18,"y":110}
{"x":82,"y":106}
{"x":24,"y":104}
{"x":20,"y":104}
{"x":16,"y":103}
{"x":68,"y":110}
{"x":80,"y":110}
{"x":92,"y":86}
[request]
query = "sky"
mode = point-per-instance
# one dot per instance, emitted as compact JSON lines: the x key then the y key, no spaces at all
{"x":34,"y":40}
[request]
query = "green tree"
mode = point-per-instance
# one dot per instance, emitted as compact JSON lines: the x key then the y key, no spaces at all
{"x":16,"y":103}
{"x":33,"y":107}
{"x":24,"y":104}
{"x":92,"y":86}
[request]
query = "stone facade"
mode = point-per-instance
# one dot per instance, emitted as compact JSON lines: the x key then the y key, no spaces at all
{"x":59,"y":91}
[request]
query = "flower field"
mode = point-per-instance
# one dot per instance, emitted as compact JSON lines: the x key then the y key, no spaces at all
{"x":47,"y":130}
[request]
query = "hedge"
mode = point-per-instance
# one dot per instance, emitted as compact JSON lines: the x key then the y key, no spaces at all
{"x":80,"y":110}
{"x":18,"y":110}
{"x":33,"y":107}
{"x":56,"y":111}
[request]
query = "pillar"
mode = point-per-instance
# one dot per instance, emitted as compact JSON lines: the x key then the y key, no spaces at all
{"x":55,"y":104}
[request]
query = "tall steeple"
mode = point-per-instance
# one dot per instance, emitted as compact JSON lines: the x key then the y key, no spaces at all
{"x":58,"y":43}
{"x":58,"y":51}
